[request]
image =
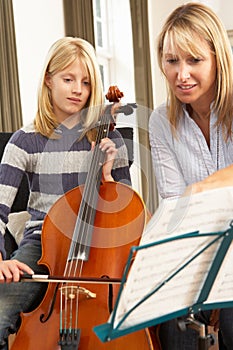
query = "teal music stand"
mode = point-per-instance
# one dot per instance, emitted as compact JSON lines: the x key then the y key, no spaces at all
{"x":172,"y":277}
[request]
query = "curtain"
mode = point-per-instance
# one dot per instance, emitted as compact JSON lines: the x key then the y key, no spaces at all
{"x":78,"y":16}
{"x":10,"y":105}
{"x":144,"y":97}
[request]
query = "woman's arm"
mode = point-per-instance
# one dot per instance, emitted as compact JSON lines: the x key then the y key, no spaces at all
{"x":221,"y":178}
{"x":169,"y":177}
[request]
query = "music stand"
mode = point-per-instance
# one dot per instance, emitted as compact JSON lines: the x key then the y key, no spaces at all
{"x":176,"y":275}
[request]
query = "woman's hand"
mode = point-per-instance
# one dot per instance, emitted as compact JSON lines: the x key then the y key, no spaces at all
{"x":109,"y":147}
{"x":12,"y":270}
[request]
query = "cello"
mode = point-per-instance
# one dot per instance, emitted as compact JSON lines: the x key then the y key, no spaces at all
{"x":87,"y":234}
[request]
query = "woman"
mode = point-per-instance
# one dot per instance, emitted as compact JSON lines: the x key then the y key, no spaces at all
{"x":191,"y":134}
{"x":54,"y":152}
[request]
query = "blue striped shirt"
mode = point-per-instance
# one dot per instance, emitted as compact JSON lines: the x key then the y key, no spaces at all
{"x":53,"y":167}
{"x":185,"y":159}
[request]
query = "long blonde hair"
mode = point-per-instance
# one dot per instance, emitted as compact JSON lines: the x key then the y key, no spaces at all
{"x":61,"y":54}
{"x":197,"y":20}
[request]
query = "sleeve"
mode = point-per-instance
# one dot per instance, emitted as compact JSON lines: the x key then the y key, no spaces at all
{"x":12,"y":168}
{"x":120,"y":171}
{"x":168,"y":173}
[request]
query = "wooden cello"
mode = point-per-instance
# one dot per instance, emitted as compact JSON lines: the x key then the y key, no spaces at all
{"x":87,"y":233}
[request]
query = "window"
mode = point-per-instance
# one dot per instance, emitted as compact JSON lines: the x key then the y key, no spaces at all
{"x":114,"y":48}
{"x":102,"y":33}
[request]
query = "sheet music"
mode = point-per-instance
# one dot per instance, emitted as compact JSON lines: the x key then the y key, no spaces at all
{"x":223,"y":287}
{"x":206,"y":212}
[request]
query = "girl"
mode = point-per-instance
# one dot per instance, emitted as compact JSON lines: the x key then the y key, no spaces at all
{"x":54,"y":152}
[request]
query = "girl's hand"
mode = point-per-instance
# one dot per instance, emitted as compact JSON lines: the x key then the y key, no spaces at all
{"x":12,"y":270}
{"x":109,"y":147}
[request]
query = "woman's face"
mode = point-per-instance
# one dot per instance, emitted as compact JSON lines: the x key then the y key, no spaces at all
{"x":192,"y":79}
{"x":70,"y":90}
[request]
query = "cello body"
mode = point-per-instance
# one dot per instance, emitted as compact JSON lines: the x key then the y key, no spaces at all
{"x":119,"y":222}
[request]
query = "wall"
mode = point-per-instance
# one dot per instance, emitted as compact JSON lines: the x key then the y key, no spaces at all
{"x":37,"y":25}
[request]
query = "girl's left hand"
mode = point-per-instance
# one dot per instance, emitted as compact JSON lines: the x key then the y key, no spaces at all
{"x":109,"y":147}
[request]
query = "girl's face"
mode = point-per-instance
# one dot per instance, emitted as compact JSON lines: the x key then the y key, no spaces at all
{"x":192,"y":79}
{"x":70,"y":90}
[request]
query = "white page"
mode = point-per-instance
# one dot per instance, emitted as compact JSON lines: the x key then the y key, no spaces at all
{"x":206,"y":212}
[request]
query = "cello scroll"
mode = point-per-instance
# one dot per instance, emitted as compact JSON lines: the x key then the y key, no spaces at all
{"x":114,"y":94}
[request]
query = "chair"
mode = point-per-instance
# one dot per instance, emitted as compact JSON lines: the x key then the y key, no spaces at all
{"x":20,"y":202}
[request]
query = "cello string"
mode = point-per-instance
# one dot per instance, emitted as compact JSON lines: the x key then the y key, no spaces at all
{"x":61,"y":311}
{"x":86,"y":211}
{"x":77,"y":310}
{"x":91,"y":192}
{"x":81,"y":236}
{"x":82,"y":219}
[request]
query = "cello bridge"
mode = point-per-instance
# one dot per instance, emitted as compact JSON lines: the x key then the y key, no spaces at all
{"x":71,"y":292}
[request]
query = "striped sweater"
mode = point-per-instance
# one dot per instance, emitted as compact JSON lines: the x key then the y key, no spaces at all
{"x":53,"y":167}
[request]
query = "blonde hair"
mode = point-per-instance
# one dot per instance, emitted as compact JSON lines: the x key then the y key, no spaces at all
{"x":197,"y":20}
{"x":61,"y":54}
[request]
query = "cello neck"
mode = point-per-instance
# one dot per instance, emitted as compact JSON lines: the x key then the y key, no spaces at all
{"x":85,"y":219}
